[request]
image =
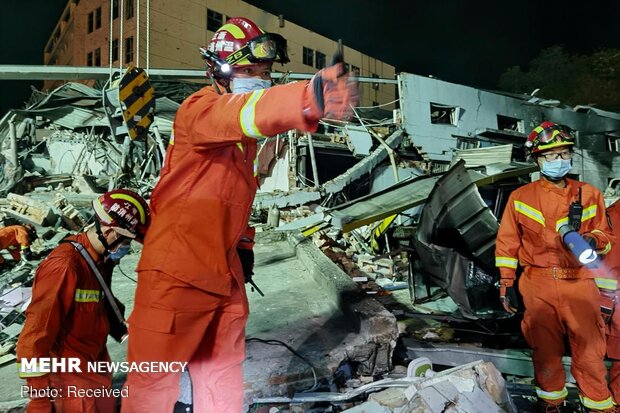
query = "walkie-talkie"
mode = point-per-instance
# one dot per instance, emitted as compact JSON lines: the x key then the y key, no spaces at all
{"x":575,"y":212}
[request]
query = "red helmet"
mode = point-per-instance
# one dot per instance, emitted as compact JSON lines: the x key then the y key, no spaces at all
{"x":240,"y":42}
{"x":549,"y":135}
{"x":125,"y":211}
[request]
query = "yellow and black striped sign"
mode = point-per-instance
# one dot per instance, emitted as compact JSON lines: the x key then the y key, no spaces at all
{"x":137,"y":98}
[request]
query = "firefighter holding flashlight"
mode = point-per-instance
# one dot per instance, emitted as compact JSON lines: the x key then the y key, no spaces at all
{"x":562,"y":297}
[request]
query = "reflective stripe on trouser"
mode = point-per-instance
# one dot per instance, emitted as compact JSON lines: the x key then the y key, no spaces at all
{"x":209,"y":333}
{"x":558,"y":307}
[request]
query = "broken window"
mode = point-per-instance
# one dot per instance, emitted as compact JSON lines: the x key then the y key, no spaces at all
{"x":91,"y":22}
{"x":214,"y":20}
{"x":98,"y":18}
{"x":438,"y":167}
{"x":129,"y":49}
{"x":114,"y":9}
{"x":129,"y":10}
{"x":465,"y":143}
{"x":613,"y":143}
{"x":508,"y":123}
{"x":375,"y":86}
{"x":114,"y":50}
{"x":320,"y":60}
{"x":444,"y":114}
{"x":98,"y":57}
{"x":308,"y":56}
{"x":89,"y":59}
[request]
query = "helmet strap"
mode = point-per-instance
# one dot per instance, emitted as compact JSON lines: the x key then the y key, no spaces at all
{"x":107,"y":247}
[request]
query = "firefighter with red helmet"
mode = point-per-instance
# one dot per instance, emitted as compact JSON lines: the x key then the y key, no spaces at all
{"x":70,"y":314}
{"x":191,"y":304}
{"x":562,"y":297}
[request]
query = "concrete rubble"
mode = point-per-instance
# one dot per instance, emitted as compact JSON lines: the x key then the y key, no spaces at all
{"x":353,"y":215}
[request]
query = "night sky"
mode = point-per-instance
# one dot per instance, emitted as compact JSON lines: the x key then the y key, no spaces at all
{"x":467,"y":42}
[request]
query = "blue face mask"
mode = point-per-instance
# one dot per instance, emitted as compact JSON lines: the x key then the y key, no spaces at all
{"x":119,"y":253}
{"x":556,"y":169}
{"x":249,"y":84}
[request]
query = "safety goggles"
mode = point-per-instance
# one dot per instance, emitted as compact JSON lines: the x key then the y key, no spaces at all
{"x":553,"y":156}
{"x":268,"y":47}
{"x":549,"y":134}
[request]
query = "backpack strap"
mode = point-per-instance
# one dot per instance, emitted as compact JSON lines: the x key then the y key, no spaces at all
{"x":106,"y":289}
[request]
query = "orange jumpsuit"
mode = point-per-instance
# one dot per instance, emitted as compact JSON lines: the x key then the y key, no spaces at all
{"x":612,"y":261}
{"x":14,"y":238}
{"x":67,"y":318}
{"x":191,"y":304}
{"x":560,"y":296}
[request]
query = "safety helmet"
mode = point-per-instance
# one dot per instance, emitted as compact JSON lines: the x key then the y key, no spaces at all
{"x":31,"y":231}
{"x":549,"y":135}
{"x":240,"y":42}
{"x":125,"y":211}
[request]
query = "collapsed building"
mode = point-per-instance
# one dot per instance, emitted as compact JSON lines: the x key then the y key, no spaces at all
{"x":403,"y":201}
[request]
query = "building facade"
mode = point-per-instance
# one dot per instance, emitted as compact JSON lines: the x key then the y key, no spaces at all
{"x":442,"y":118}
{"x":167,"y":34}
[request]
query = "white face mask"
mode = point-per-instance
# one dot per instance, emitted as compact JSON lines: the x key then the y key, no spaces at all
{"x":249,"y":84}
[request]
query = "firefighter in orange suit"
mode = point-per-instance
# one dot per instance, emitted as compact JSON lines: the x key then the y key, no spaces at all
{"x":612,"y":263}
{"x":561,"y":297}
{"x":17,"y":239}
{"x":68,"y":314}
{"x":190,"y":303}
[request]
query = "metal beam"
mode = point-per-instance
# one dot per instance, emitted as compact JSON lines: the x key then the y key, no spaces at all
{"x":35,"y":72}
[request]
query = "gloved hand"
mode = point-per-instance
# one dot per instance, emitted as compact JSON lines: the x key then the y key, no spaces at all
{"x":27,"y":253}
{"x":39,"y":396}
{"x":247,"y":262}
{"x":118,"y":329}
{"x":607,"y":304}
{"x":508,"y":295}
{"x":590,"y":240}
{"x":331,"y":94}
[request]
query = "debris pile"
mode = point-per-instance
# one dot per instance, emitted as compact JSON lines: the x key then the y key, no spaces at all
{"x":471,"y":388}
{"x":375,"y":274}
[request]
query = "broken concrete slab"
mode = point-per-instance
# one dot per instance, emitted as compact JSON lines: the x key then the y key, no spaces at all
{"x":29,"y":210}
{"x":317,"y":310}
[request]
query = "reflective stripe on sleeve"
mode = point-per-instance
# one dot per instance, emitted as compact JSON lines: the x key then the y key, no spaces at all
{"x":606,"y":283}
{"x":605,"y":250}
{"x":507,"y":262}
{"x":25,"y":372}
{"x":87,"y":296}
{"x":248,"y":115}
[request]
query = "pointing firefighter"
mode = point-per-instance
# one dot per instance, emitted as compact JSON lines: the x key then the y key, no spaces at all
{"x":191,"y":304}
{"x":561,"y":296}
{"x":72,"y":309}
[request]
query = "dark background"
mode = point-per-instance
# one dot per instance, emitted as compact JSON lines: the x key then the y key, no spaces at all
{"x":466,"y":42}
